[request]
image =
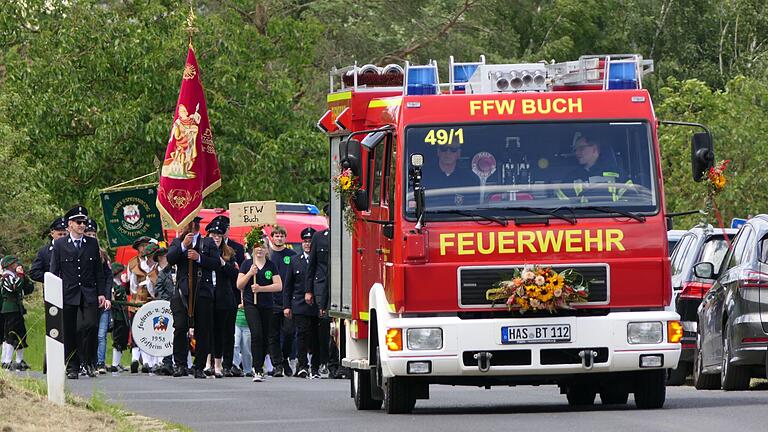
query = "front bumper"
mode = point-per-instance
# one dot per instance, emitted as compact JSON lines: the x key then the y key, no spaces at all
{"x":461,"y":337}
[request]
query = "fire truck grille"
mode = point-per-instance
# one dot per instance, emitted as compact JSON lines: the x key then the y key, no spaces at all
{"x":475,"y":281}
{"x":570,"y":355}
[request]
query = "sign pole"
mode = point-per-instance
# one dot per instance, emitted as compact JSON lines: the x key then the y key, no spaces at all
{"x":54,"y":337}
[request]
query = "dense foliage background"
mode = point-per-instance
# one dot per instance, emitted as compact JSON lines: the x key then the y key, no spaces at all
{"x":88,"y":88}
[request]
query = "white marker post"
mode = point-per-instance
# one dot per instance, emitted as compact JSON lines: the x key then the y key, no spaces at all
{"x":54,"y":337}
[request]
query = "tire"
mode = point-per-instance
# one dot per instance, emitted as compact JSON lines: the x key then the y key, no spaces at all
{"x":361,"y":391}
{"x":732,"y":377}
{"x":678,"y":375}
{"x":701,"y":380}
{"x":651,"y":389}
{"x":398,"y":398}
{"x":581,"y":395}
{"x":614,"y":396}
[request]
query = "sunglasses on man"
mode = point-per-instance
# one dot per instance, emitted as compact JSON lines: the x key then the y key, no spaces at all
{"x":80,"y":221}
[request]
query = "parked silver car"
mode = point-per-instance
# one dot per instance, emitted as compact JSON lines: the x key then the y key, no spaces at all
{"x":699,"y":244}
{"x":733,"y":316}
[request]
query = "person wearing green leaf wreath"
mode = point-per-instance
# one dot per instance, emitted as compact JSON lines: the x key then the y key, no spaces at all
{"x":258,"y":279}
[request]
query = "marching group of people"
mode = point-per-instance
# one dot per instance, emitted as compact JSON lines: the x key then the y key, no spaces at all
{"x":254,"y":308}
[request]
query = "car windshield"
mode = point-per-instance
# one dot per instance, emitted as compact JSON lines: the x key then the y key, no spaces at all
{"x":713,"y":252}
{"x":509,"y":169}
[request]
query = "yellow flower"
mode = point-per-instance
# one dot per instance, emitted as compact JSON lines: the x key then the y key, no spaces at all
{"x":345,"y":183}
{"x":719,"y":181}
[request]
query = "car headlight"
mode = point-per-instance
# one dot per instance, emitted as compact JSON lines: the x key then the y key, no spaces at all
{"x":645,"y":332}
{"x":425,"y":338}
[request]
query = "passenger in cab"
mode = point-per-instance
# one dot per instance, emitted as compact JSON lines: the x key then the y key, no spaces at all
{"x":594,"y":161}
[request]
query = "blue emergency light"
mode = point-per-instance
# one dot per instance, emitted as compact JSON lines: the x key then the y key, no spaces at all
{"x":421,"y":80}
{"x":622,"y":75}
{"x":462,"y":72}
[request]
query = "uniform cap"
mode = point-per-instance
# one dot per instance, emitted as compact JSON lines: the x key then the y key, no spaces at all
{"x":58,"y":224}
{"x":90,"y":226}
{"x":217,"y":226}
{"x":76,"y":212}
{"x":307,"y":233}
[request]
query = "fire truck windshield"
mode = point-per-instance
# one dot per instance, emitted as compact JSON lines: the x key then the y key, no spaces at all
{"x":498,"y":168}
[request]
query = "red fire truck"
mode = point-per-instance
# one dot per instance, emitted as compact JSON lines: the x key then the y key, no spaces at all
{"x":506,"y":168}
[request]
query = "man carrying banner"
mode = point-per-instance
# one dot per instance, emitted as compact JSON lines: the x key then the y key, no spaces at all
{"x":192,"y":303}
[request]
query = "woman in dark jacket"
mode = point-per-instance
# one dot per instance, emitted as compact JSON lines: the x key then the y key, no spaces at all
{"x":225,"y":302}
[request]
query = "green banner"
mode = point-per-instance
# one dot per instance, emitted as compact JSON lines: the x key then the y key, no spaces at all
{"x":130,"y":214}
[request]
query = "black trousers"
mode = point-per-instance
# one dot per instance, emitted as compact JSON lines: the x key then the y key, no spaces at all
{"x":258,"y":322}
{"x":79,"y":345}
{"x":280,"y":328}
{"x":323,"y":340}
{"x":203,"y":330}
{"x":224,"y":335}
{"x":15,"y":332}
{"x":120,"y":334}
{"x":307,"y":327}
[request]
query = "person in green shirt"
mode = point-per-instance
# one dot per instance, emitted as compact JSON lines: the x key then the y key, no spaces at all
{"x":14,"y":285}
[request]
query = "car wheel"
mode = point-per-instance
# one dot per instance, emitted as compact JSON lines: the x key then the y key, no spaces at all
{"x":732,"y":377}
{"x":361,"y":390}
{"x":678,"y":375}
{"x":701,"y":380}
{"x":581,"y":395}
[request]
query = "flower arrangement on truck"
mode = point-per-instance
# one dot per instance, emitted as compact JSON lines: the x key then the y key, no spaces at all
{"x":506,"y":227}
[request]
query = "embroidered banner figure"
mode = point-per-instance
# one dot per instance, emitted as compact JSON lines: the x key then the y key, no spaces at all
{"x":190,"y":169}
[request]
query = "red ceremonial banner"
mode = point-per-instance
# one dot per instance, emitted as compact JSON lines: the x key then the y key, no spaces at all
{"x":190,"y":169}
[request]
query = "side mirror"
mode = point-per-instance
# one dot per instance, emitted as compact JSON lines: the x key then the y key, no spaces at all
{"x":704,"y":270}
{"x":362,"y":201}
{"x":349,"y":154}
{"x":702,"y":154}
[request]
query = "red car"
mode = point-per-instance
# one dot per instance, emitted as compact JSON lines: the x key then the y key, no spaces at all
{"x":294,"y":217}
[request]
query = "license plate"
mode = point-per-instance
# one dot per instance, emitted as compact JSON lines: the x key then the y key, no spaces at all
{"x":536,"y":334}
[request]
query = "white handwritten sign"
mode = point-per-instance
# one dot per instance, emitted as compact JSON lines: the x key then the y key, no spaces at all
{"x":153,"y":328}
{"x":252,"y":213}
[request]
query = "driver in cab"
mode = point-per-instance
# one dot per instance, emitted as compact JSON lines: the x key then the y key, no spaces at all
{"x":443,"y":175}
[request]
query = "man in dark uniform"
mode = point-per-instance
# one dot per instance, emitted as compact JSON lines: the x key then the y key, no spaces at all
{"x":77,"y":261}
{"x":304,"y":315}
{"x":598,"y":176}
{"x":42,"y":262}
{"x":192,"y":249}
{"x":318,"y":292}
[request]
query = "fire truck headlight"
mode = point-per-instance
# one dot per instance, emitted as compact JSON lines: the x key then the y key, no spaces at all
{"x":645,"y":332}
{"x":425,"y":338}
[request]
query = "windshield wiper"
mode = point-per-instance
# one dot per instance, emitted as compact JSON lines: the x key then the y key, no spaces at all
{"x":470,"y":213}
{"x":571,"y":219}
{"x":610,"y":210}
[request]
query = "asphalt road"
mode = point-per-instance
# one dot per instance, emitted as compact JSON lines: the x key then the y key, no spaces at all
{"x":280,"y":404}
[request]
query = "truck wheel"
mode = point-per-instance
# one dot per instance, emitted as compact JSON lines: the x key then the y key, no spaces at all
{"x":614,"y":396}
{"x":581,"y":395}
{"x":398,"y":398}
{"x":361,"y":391}
{"x":678,"y":375}
{"x":732,"y":377}
{"x":651,"y":389}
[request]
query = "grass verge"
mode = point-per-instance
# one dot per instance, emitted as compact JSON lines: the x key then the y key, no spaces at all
{"x":25,"y":407}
